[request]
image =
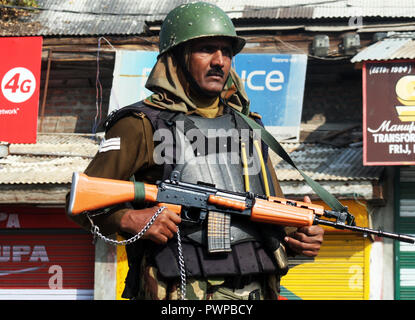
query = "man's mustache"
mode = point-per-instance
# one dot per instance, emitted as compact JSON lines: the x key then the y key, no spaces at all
{"x":215,"y":72}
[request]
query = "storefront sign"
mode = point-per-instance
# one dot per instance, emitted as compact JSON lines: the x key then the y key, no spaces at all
{"x":131,"y":71}
{"x":20,"y":61}
{"x":46,"y":261}
{"x":389,"y":113}
{"x":274,"y":84}
{"x":40,"y":249}
{"x":30,"y":217}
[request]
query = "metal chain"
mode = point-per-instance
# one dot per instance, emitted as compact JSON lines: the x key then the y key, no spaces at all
{"x":182,"y":267}
{"x":96,"y":232}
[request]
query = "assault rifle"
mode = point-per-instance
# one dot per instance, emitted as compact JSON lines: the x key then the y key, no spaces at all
{"x":194,"y":201}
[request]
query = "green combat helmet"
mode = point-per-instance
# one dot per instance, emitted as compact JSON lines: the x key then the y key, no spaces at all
{"x":197,"y":20}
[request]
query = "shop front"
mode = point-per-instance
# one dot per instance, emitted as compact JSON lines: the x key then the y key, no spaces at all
{"x":341,"y":269}
{"x":388,"y":70}
{"x":43,"y":255}
{"x":405,"y":223}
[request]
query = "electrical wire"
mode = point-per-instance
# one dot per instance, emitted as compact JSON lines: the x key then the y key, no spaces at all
{"x":78,"y":12}
{"x":244,"y":10}
{"x":98,"y":88}
{"x":297,"y":49}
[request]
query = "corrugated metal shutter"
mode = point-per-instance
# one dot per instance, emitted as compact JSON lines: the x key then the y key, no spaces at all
{"x":341,"y":269}
{"x":339,"y":272}
{"x":46,"y":264}
{"x":405,"y":223}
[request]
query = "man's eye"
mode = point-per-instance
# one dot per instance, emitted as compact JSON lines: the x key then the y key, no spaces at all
{"x":207,"y":49}
{"x":227,"y":52}
{"x":211,"y":49}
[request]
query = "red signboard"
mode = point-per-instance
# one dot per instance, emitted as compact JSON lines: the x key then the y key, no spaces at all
{"x":30,"y":217}
{"x":40,"y":248}
{"x":20,"y":65}
{"x":389,"y":113}
{"x":46,"y":261}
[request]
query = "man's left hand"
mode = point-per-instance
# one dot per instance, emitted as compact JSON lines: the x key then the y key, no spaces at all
{"x":306,"y":240}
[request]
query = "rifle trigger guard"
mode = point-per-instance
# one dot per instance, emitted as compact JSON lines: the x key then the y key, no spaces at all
{"x":186,"y":218}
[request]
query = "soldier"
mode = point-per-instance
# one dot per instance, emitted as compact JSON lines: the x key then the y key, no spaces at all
{"x":195,"y":88}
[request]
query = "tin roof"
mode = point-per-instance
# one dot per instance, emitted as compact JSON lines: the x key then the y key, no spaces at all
{"x":129,"y":17}
{"x":52,"y":159}
{"x":39,"y":170}
{"x":317,"y":9}
{"x":325,"y":163}
{"x":58,"y":145}
{"x":397,"y":46}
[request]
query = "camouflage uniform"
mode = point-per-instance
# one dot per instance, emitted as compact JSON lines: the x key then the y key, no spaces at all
{"x":154,"y":288}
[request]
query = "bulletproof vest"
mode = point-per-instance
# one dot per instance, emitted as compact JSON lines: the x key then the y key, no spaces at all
{"x":209,"y":150}
{"x":214,"y":155}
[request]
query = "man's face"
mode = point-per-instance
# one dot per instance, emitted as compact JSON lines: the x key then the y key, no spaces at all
{"x":210,"y":62}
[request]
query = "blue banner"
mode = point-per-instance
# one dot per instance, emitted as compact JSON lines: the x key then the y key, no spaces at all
{"x":131,"y":71}
{"x":275,"y":85}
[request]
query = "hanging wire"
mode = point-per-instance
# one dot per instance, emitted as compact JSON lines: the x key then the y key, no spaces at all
{"x":98,"y":88}
{"x":307,"y":4}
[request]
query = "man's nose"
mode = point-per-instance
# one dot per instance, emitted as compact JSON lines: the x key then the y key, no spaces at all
{"x":218,"y":58}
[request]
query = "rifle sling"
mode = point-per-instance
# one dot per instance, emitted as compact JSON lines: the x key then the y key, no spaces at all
{"x":328,"y":198}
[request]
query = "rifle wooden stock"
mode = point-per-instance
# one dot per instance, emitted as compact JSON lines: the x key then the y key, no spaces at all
{"x":90,"y":193}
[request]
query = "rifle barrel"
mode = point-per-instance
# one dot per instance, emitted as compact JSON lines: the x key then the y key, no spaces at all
{"x":380,"y":233}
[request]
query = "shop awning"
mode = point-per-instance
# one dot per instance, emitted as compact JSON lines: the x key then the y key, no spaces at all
{"x":395,"y":47}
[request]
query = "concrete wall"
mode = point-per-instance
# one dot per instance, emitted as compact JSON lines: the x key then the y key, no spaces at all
{"x":105,"y":276}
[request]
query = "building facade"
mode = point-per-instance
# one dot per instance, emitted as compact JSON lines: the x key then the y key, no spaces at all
{"x":78,"y":59}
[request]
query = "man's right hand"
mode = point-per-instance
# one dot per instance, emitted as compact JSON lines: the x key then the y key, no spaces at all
{"x":163,"y":228}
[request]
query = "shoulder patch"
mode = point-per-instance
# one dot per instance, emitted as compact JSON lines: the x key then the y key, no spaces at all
{"x":110,"y":144}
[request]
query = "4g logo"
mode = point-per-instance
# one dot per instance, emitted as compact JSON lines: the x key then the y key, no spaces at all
{"x":20,"y":69}
{"x":18,"y":85}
